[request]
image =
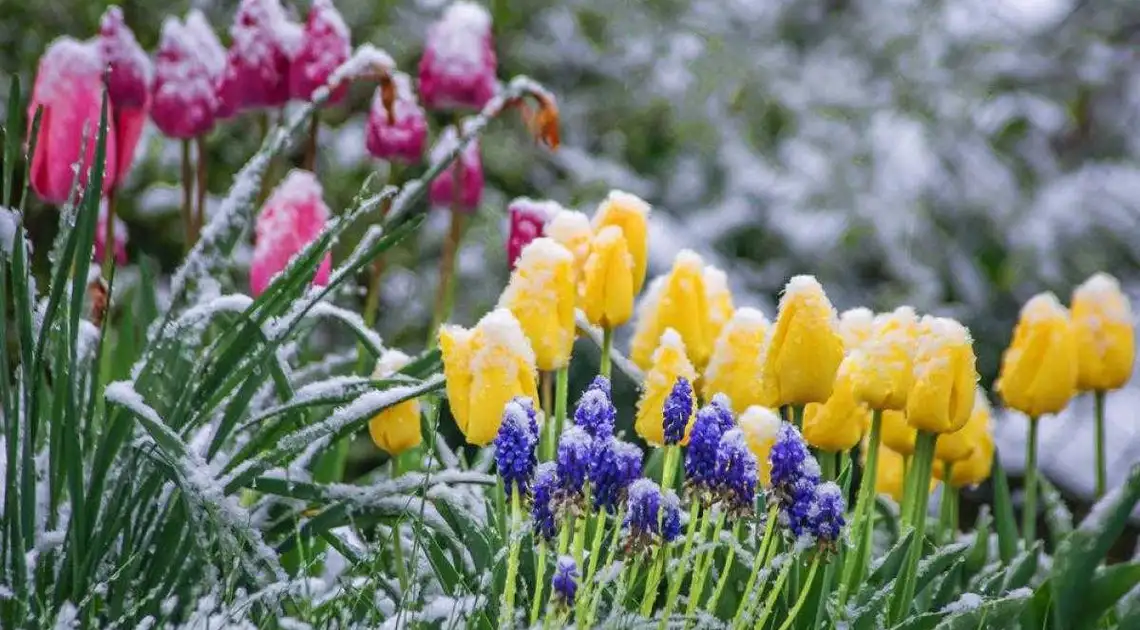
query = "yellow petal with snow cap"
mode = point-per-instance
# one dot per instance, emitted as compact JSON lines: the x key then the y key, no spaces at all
{"x":885,"y":372}
{"x":630,"y":214}
{"x":541,"y":295}
{"x":1105,"y":338}
{"x":669,"y":363}
{"x":760,"y":426}
{"x":945,"y":377}
{"x":571,"y":229}
{"x":804,"y":348}
{"x":837,"y":424}
{"x":606,"y":288}
{"x":734,"y":368}
{"x":680,"y":301}
{"x":1039,"y":369}
{"x":397,"y":428}
{"x":855,"y":327}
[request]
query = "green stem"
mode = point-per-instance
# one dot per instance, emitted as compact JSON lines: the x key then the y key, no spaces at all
{"x":1029,"y":513}
{"x":203,"y":179}
{"x":580,"y":524}
{"x":824,"y":594}
{"x":660,"y":558}
{"x":310,"y":161}
{"x":946,"y":521}
{"x":757,"y":563}
{"x":827,"y":469}
{"x":445,"y":293}
{"x":923,"y":460}
{"x":769,"y":603}
{"x":669,"y":468}
{"x":802,"y":598}
{"x":1101,"y":469}
{"x":539,"y":574}
{"x":561,"y":394}
{"x":679,"y":577}
{"x":798,"y":416}
{"x":864,"y":525}
{"x":610,"y":555}
{"x":187,"y":203}
{"x":506,"y":615}
{"x":697,"y":583}
{"x":587,"y":584}
{"x":607,"y":346}
{"x":710,"y":605}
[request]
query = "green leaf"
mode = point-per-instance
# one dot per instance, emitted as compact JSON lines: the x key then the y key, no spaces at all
{"x":1075,"y":561}
{"x":871,"y":612}
{"x":1022,"y":569}
{"x":1110,"y":585}
{"x":1057,"y":514}
{"x":1036,"y":614}
{"x":1003,"y":512}
{"x":937,"y":563}
{"x":979,"y":553}
{"x":12,"y":135}
{"x":888,"y":565}
{"x":998,"y":613}
{"x":949,"y":587}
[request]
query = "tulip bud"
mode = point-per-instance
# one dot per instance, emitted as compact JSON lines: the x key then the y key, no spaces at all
{"x":977,"y":467}
{"x":401,"y":137}
{"x":458,"y":66}
{"x":466,"y":172}
{"x":572,"y":230}
{"x":257,"y":63}
{"x":958,"y":446}
{"x":760,"y":426}
{"x":837,"y":424}
{"x":669,"y":364}
{"x":856,"y":326}
{"x":129,"y":78}
{"x":631,"y":214}
{"x":1039,"y":369}
{"x":397,"y":428}
{"x":528,"y":218}
{"x":540,"y":295}
{"x":884,"y":374}
{"x":190,"y":61}
{"x":734,"y":367}
{"x":69,"y":87}
{"x":1106,"y":343}
{"x":678,"y":301}
{"x":325,"y":44}
{"x":486,"y":367}
{"x":897,"y":434}
{"x":605,"y":290}
{"x":945,"y":377}
{"x":292,"y":217}
{"x":803,"y":350}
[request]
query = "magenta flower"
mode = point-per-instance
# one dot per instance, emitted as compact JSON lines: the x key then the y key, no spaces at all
{"x":190,"y":62}
{"x":257,"y":63}
{"x":528,"y":218}
{"x":466,"y":171}
{"x":458,"y":67}
{"x":69,"y":87}
{"x":293,"y":216}
{"x":402,"y":139}
{"x":101,"y":237}
{"x":129,"y":78}
{"x":325,"y":45}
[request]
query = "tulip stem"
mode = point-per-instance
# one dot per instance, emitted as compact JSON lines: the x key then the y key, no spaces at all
{"x":948,"y":510}
{"x":826,"y":465}
{"x":561,"y":394}
{"x":397,"y":543}
{"x":310,"y":162}
{"x":607,"y":345}
{"x":1029,"y":511}
{"x":864,"y":515}
{"x":798,"y":416}
{"x":669,"y":467}
{"x":200,"y":219}
{"x":109,"y":236}
{"x":539,"y":574}
{"x":506,"y":615}
{"x":714,"y":598}
{"x":758,"y":563}
{"x":445,"y":294}
{"x":920,"y":471}
{"x":791,"y":617}
{"x":1101,"y":463}
{"x":187,"y":199}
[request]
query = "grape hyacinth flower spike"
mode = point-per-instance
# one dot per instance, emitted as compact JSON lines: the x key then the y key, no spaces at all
{"x":515,"y":449}
{"x":565,"y":581}
{"x":573,"y":464}
{"x":736,"y":474}
{"x":825,"y":519}
{"x":595,"y":412}
{"x":651,"y":516}
{"x":701,"y":456}
{"x":794,"y":476}
{"x":542,"y":509}
{"x":677,"y":411}
{"x":614,"y":465}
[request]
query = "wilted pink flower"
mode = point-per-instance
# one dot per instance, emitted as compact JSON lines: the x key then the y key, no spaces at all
{"x":402,"y":139}
{"x":325,"y":44}
{"x":528,"y":218}
{"x":467,"y":169}
{"x":101,"y":237}
{"x":458,"y":66}
{"x":69,"y":87}
{"x":257,"y":64}
{"x":293,"y":216}
{"x":130,"y":76}
{"x":190,"y":62}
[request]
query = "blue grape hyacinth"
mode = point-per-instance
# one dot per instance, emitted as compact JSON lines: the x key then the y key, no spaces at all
{"x":614,"y":465}
{"x":651,"y":515}
{"x":595,"y":412}
{"x":515,"y":449}
{"x":737,"y":475}
{"x":677,"y":409}
{"x":573,"y":460}
{"x":564,"y":584}
{"x":794,"y":476}
{"x":531,"y":413}
{"x":701,"y":455}
{"x":542,"y":510}
{"x":825,"y":518}
{"x":723,"y":407}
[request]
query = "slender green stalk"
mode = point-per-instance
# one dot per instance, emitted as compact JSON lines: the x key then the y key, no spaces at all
{"x":445,"y":293}
{"x":561,"y":395}
{"x":679,"y":577}
{"x":1101,"y":464}
{"x":947,"y":521}
{"x":397,"y":543}
{"x":586,"y":586}
{"x":203,"y":180}
{"x":827,"y":468}
{"x":610,"y":556}
{"x":802,"y":598}
{"x":580,"y":524}
{"x":187,"y":204}
{"x":757,"y":563}
{"x":714,"y":599}
{"x":864,"y":525}
{"x":564,"y":534}
{"x":703,"y":564}
{"x":653,"y":581}
{"x":669,"y":468}
{"x":1029,"y":513}
{"x":539,"y":575}
{"x":825,"y":592}
{"x":798,"y":416}
{"x":923,"y":460}
{"x":769,"y":603}
{"x":506,"y":615}
{"x":310,"y":161}
{"x":607,"y":346}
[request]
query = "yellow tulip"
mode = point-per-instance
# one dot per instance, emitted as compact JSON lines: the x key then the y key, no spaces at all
{"x":606,"y":288}
{"x":855,"y":327}
{"x":837,"y":424}
{"x":571,"y":229}
{"x":760,"y":426}
{"x":679,"y":300}
{"x":889,"y":478}
{"x":883,"y":374}
{"x":397,"y":428}
{"x":669,"y":363}
{"x":719,"y":296}
{"x":803,"y":349}
{"x":898,"y":435}
{"x":974,"y":469}
{"x":734,"y":368}
{"x":485,"y":368}
{"x":540,"y":294}
{"x":945,"y":377}
{"x":631,"y":214}
{"x":1106,"y":343}
{"x":958,"y":446}
{"x":1039,"y":369}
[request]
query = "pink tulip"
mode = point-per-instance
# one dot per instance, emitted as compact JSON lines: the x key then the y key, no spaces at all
{"x":528,"y":218}
{"x":257,"y":64}
{"x":190,"y":62}
{"x":129,"y":80}
{"x":467,"y":169}
{"x":293,"y":216}
{"x":325,"y":45}
{"x":458,"y":67}
{"x":69,"y":87}
{"x":402,"y":139}
{"x":101,"y":237}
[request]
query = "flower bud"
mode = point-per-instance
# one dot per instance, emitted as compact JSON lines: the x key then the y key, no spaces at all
{"x":528,"y":218}
{"x":325,"y":44}
{"x":564,"y":584}
{"x":129,"y":78}
{"x":1106,"y":343}
{"x":397,"y":428}
{"x":945,"y":377}
{"x":466,"y":173}
{"x":540,"y":294}
{"x":761,"y":427}
{"x":669,"y":364}
{"x":836,"y":425}
{"x":898,"y":435}
{"x":572,"y":230}
{"x":958,"y":446}
{"x":889,"y":478}
{"x":486,"y":367}
{"x":884,"y":372}
{"x":293,"y":216}
{"x":189,"y":62}
{"x":458,"y":66}
{"x":257,"y":63}
{"x":631,"y":214}
{"x":734,"y":368}
{"x":856,"y":326}
{"x":605,"y":291}
{"x":679,"y":300}
{"x":1039,"y":369}
{"x":803,"y":349}
{"x":399,"y":137}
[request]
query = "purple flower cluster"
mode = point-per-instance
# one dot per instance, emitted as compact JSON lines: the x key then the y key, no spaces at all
{"x":826,"y":519}
{"x":651,"y":514}
{"x":806,"y":506}
{"x":595,"y":412}
{"x":515,"y":448}
{"x":565,"y":580}
{"x":677,"y":410}
{"x":614,"y":465}
{"x":704,"y":441}
{"x":542,"y":511}
{"x":736,"y":473}
{"x":573,"y":460}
